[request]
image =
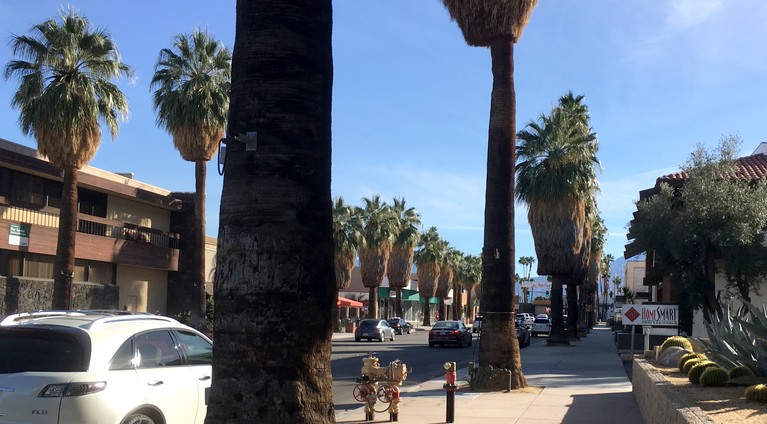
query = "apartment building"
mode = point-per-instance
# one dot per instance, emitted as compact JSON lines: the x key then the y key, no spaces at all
{"x":130,"y":235}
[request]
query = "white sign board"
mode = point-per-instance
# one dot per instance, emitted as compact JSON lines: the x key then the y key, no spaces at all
{"x":652,"y":314}
{"x":18,"y":235}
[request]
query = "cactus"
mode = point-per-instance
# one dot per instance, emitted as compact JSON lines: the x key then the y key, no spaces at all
{"x":714,"y":376}
{"x":680,"y":341}
{"x":691,"y":363}
{"x":737,"y":338}
{"x":741,"y":372}
{"x":683,"y":360}
{"x":757,"y":393}
{"x":697,"y":370}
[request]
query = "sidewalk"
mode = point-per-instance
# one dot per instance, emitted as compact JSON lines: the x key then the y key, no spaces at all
{"x":583,"y":383}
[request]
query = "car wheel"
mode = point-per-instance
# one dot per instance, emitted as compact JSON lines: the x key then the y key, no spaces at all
{"x":357,"y":339}
{"x":431,"y":344}
{"x":392,"y":336}
{"x":138,"y":419}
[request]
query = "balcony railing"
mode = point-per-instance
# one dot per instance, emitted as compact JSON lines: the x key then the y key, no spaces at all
{"x":93,"y":225}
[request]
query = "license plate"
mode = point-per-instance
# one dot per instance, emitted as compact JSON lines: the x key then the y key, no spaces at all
{"x":366,"y":334}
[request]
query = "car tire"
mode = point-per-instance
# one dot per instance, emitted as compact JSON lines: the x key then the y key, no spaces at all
{"x":392,"y":336}
{"x":138,"y":419}
{"x":431,"y":344}
{"x":357,"y":339}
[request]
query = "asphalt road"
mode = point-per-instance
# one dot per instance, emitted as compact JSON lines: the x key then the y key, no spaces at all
{"x":424,"y":363}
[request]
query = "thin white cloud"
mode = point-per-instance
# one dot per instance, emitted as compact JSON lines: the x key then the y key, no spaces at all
{"x":684,"y":14}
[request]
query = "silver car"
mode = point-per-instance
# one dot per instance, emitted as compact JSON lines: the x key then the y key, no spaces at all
{"x":374,"y":329}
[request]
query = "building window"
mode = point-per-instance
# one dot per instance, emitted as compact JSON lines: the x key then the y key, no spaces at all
{"x":94,"y":271}
{"x":11,"y":263}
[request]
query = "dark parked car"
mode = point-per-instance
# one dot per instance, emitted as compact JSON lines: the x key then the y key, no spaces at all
{"x":399,"y":325}
{"x":374,"y":329}
{"x":449,"y":332}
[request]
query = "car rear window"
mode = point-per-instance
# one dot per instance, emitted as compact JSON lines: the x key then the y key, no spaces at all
{"x":44,"y":351}
{"x":368,"y":323}
{"x":443,"y":324}
{"x":541,"y":321}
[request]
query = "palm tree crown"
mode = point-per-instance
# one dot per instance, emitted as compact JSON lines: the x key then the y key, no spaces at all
{"x":192,"y":93}
{"x":65,"y":74}
{"x":345,"y":235}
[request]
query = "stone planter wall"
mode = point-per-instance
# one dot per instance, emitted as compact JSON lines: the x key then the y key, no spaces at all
{"x":658,"y":402}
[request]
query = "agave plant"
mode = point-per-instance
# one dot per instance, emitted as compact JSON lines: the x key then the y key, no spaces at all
{"x":739,"y":340}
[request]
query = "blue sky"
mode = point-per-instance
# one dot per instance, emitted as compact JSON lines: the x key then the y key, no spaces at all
{"x":411,"y":99}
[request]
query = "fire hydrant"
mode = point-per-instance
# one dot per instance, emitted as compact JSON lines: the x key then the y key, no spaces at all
{"x":388,"y":393}
{"x":450,"y":388}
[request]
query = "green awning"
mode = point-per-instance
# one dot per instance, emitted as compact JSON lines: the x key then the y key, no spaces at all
{"x":407,"y":295}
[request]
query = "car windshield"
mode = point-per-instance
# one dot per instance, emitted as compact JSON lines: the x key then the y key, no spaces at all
{"x":446,"y":324}
{"x":40,"y":351}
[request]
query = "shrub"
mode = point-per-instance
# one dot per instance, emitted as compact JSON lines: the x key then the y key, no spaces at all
{"x":757,"y":393}
{"x":740,"y":372}
{"x":691,"y":363}
{"x":714,"y":376}
{"x":736,"y":337}
{"x":683,"y":360}
{"x":680,"y":341}
{"x":697,"y":370}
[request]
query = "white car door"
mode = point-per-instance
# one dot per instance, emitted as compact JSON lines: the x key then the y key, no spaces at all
{"x":170,"y":384}
{"x":199,"y":356}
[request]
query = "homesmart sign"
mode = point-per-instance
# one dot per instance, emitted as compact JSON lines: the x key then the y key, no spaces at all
{"x":650,"y":314}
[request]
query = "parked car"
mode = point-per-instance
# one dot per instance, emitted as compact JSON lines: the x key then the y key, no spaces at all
{"x":476,"y":326}
{"x":527,"y":319}
{"x":523,"y":335}
{"x":449,"y":332}
{"x":400,"y":325}
{"x":374,"y":329}
{"x":541,"y":325}
{"x":67,"y":367}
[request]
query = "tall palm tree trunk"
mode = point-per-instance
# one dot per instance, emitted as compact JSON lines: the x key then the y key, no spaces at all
{"x":572,"y":312}
{"x":426,"y":313}
{"x":275,"y":232}
{"x":373,"y":302}
{"x":398,"y":303}
{"x":557,"y":335}
{"x":501,"y":351}
{"x":198,"y":308}
{"x":64,"y":264}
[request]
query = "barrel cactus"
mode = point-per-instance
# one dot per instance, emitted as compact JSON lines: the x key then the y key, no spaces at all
{"x":683,"y":360}
{"x":697,"y":370}
{"x":680,"y":341}
{"x":741,"y":372}
{"x":714,"y":376}
{"x":757,"y":393}
{"x":691,"y":363}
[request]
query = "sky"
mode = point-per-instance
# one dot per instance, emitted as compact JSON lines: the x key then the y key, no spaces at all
{"x":411,"y":99}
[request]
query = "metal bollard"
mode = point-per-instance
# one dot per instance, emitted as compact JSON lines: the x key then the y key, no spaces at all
{"x":450,"y":387}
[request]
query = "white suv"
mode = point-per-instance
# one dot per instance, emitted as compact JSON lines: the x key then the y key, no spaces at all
{"x":102,"y":367}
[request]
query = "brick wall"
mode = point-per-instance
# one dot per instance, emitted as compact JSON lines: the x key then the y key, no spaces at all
{"x":33,"y":294}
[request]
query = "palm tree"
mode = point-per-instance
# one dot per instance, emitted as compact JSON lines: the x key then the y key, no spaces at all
{"x":428,"y":257}
{"x":527,"y":268}
{"x":556,"y":179}
{"x":275,"y":239}
{"x":497,"y":24}
{"x":346,"y":233}
{"x":598,"y":241}
{"x":400,"y":266}
{"x":471,"y":275}
{"x":445,"y":282}
{"x":191,"y":98}
{"x":604,"y":267}
{"x":65,"y":71}
{"x":379,"y":226}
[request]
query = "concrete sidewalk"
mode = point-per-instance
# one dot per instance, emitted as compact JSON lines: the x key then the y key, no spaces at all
{"x":582,"y":383}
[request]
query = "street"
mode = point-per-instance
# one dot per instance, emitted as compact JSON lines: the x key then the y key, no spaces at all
{"x":423,"y":363}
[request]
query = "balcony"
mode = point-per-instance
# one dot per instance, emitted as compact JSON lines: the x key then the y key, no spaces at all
{"x":98,"y":238}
